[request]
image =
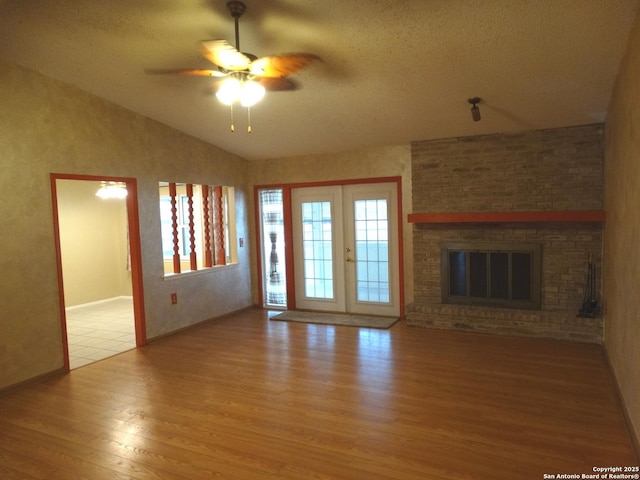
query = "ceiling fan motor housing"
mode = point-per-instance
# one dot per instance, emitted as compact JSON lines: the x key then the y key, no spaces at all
{"x":236,"y":8}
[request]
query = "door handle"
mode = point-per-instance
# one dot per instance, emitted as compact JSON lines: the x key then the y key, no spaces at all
{"x":349,"y":259}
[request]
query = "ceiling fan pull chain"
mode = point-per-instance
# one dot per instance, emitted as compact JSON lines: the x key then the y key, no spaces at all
{"x":233,"y":128}
{"x":237,"y":33}
{"x":248,"y":119}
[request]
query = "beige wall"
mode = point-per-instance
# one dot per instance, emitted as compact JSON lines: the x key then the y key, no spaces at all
{"x":47,"y":126}
{"x":394,"y":161}
{"x":93,"y":243}
{"x":622,"y":230}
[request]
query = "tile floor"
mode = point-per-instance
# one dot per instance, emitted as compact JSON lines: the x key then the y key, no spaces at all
{"x":100,"y":330}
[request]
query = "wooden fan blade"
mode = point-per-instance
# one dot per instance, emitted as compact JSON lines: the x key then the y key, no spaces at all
{"x":281,"y":65}
{"x":220,"y":53}
{"x":185,"y":71}
{"x":277,"y":84}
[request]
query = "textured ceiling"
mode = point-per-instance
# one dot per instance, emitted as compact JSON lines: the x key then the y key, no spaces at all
{"x":392,"y":71}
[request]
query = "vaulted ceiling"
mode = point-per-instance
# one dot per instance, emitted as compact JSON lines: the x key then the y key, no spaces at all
{"x":391,"y":72}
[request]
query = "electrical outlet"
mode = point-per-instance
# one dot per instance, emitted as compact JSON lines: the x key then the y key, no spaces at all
{"x":174,"y":298}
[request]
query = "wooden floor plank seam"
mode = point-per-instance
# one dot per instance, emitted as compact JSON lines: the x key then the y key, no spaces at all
{"x":246,"y":398}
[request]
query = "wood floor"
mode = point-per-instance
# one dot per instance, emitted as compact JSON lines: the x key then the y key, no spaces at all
{"x":248,"y":398}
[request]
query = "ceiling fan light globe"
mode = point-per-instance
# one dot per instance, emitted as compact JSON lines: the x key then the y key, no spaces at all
{"x":252,"y":93}
{"x":229,"y":91}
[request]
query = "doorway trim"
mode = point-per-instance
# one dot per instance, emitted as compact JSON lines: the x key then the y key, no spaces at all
{"x":288,"y":231}
{"x":134,"y":251}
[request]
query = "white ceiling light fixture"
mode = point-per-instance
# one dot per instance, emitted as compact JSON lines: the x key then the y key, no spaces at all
{"x":240,"y":88}
{"x":241,"y":85}
{"x":109,"y":190}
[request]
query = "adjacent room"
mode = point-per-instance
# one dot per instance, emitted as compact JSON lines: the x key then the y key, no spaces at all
{"x":95,"y":271}
{"x":350,"y":240}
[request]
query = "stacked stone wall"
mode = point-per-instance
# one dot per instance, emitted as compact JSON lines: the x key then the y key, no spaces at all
{"x":545,"y":170}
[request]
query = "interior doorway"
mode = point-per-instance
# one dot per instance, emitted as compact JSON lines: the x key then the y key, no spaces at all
{"x":99,"y":271}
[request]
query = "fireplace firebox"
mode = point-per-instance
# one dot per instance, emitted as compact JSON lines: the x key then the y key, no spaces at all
{"x":502,"y":275}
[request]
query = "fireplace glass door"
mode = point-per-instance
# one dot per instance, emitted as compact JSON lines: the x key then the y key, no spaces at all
{"x":492,"y":274}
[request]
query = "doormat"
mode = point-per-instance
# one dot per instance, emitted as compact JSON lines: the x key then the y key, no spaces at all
{"x":363,"y":321}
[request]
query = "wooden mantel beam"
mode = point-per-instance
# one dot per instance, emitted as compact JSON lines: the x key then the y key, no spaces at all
{"x":509,"y":217}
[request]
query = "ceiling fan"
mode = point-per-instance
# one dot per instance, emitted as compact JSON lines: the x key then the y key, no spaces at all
{"x":244,"y":78}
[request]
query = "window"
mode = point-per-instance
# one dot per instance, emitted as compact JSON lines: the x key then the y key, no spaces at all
{"x":372,"y":250}
{"x":197,"y":226}
{"x":317,"y":241}
{"x":273,"y":252}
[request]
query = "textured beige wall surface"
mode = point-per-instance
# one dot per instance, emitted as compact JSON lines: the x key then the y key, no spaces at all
{"x":393,"y":161}
{"x":47,"y":126}
{"x":622,"y":230}
{"x":93,"y":243}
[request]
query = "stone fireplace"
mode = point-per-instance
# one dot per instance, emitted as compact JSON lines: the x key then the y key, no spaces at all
{"x":539,"y":188}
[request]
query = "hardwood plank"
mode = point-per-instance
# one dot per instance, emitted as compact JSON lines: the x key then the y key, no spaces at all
{"x":22,"y":467}
{"x":246,"y":398}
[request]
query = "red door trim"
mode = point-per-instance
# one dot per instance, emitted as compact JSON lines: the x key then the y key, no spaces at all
{"x":288,"y":231}
{"x":134,"y":247}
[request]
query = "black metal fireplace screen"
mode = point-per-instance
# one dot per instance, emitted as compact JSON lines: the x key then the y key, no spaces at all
{"x":504,"y":275}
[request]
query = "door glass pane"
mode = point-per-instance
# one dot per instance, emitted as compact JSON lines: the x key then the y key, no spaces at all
{"x":457,"y":273}
{"x":372,"y":251}
{"x":522,"y":275}
{"x":499,"y":274}
{"x":478,"y":274}
{"x":317,"y":252}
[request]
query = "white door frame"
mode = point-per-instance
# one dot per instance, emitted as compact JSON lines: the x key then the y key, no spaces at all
{"x":371,"y":191}
{"x":335,"y":301}
{"x":343,"y":254}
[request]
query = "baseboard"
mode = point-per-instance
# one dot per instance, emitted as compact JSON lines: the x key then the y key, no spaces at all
{"x":635,"y":441}
{"x":98,"y":302}
{"x":58,"y":372}
{"x":198,"y":324}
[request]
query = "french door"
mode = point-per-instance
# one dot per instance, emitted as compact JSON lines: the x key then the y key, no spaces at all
{"x":346,"y":253}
